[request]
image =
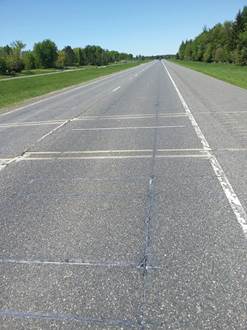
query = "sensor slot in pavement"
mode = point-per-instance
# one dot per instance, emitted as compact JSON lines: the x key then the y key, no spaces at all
{"x":84,"y":294}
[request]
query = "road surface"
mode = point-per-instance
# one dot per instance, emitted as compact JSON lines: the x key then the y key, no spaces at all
{"x":123,"y":205}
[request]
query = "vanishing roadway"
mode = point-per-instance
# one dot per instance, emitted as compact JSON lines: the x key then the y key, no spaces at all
{"x":123,"y":205}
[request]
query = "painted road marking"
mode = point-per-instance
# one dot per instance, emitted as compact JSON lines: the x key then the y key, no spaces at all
{"x":71,"y":262}
{"x":88,"y":157}
{"x":116,"y":89}
{"x":113,"y":157}
{"x":103,"y":154}
{"x":31,"y":123}
{"x":90,"y":151}
{"x":125,"y":128}
{"x":115,"y":154}
{"x":53,"y":130}
{"x":218,"y":170}
{"x":6,"y":162}
{"x":134,"y":116}
{"x":112,"y":151}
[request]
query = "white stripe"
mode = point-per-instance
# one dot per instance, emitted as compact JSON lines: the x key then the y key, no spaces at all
{"x":134,"y":116}
{"x":183,"y":149}
{"x":218,"y":170}
{"x":108,"y":151}
{"x":116,"y":89}
{"x":65,"y":263}
{"x":182,"y":156}
{"x":231,"y":149}
{"x":89,"y":157}
{"x":27,"y":124}
{"x":112,"y":157}
{"x":124,"y":128}
{"x":52,"y":131}
{"x":88,"y":151}
{"x":5,"y":162}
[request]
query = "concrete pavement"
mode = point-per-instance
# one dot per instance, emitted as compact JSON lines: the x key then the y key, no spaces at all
{"x":112,"y":215}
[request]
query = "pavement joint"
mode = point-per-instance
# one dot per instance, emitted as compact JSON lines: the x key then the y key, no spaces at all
{"x":146,"y":260}
{"x":65,"y":317}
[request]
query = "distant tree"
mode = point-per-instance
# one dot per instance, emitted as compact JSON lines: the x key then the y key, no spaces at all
{"x":17,"y":47}
{"x":208,"y":54}
{"x":60,"y":62}
{"x":225,"y":42}
{"x":181,"y":50}
{"x":14,"y":64}
{"x":45,"y":54}
{"x":28,"y":60}
{"x":3,"y":65}
{"x":220,"y":55}
{"x":80,"y":57}
{"x":11,"y":57}
{"x":188,"y":50}
{"x":70,"y":57}
{"x":7,"y":50}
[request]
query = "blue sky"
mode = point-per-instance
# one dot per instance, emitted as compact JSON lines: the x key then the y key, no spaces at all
{"x":137,"y":26}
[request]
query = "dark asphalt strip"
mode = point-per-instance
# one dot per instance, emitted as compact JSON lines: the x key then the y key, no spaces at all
{"x":146,"y":261}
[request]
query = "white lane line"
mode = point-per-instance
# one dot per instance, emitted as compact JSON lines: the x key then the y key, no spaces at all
{"x":52,"y":131}
{"x":89,"y":151}
{"x":65,"y":263}
{"x":182,"y":149}
{"x":89,"y":157}
{"x":231,"y":149}
{"x":218,"y":170}
{"x":113,"y":157}
{"x":116,"y":89}
{"x":182,"y":156}
{"x":118,"y":151}
{"x":4,"y":163}
{"x":126,"y":117}
{"x":28,"y":124}
{"x":125,"y":128}
{"x":222,"y":112}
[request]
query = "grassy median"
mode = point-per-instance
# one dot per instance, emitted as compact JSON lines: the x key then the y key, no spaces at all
{"x":14,"y":91}
{"x":234,"y":74}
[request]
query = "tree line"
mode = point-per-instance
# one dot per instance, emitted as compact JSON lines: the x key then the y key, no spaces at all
{"x":45,"y":54}
{"x":224,"y":43}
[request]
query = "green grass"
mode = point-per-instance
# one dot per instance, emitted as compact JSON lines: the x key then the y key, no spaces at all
{"x":14,"y":91}
{"x":34,"y":72}
{"x":234,"y":74}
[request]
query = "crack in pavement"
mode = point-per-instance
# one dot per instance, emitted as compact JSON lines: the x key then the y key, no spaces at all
{"x":145,"y":264}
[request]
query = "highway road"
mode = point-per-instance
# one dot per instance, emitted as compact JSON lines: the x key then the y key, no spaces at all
{"x":123,"y":205}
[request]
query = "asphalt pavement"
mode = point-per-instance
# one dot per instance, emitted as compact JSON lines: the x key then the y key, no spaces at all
{"x":123,"y":205}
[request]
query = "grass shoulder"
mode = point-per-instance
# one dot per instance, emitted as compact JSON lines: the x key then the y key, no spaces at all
{"x":231,"y":73}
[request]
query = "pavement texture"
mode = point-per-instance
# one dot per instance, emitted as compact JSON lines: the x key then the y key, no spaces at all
{"x":112,"y":214}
